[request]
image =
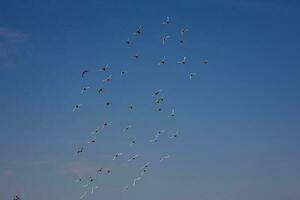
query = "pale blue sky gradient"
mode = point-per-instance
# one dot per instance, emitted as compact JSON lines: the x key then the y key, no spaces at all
{"x":238,"y":119}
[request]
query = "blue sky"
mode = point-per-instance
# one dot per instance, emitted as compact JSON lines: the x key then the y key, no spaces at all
{"x":238,"y":119}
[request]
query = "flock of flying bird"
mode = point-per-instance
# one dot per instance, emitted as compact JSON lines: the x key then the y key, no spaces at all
{"x":89,"y":182}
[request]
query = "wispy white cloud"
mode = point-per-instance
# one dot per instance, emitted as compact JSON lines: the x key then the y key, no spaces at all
{"x":11,"y":35}
{"x":11,"y":45}
{"x":7,"y":172}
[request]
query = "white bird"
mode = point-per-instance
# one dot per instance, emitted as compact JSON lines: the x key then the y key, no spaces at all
{"x":117,"y":155}
{"x":162,"y":61}
{"x":105,"y":124}
{"x":132,"y":142}
{"x":76,"y":107}
{"x":157,"y":92}
{"x":135,"y":180}
{"x":164,"y":158}
{"x":173,"y":113}
{"x":159,"y":100}
{"x":103,"y":68}
{"x":136,"y":55}
{"x":192,"y":75}
{"x":130,"y":107}
{"x":127,"y":128}
{"x":133,"y":158}
{"x":167,"y":21}
{"x":100,"y":90}
{"x":145,"y":166}
{"x":184,"y":30}
{"x":174,"y":135}
{"x":164,"y":39}
{"x":79,"y":180}
{"x":123,"y":73}
{"x":84,"y":72}
{"x":92,"y":140}
{"x":127,"y":41}
{"x":80,"y":150}
{"x":17,"y":197}
{"x":100,"y":170}
{"x":96,"y":131}
{"x":126,"y":188}
{"x":108,"y":79}
{"x":138,"y":31}
{"x":183,"y":61}
{"x":84,"y":89}
{"x":93,"y":188}
{"x":204,"y":61}
{"x":108,"y":103}
{"x":90,"y":181}
{"x":156,"y":136}
{"x":155,"y":139}
{"x":161,"y":131}
{"x":83,"y":195}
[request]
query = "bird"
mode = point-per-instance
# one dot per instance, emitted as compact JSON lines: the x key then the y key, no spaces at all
{"x":117,"y":155}
{"x":204,"y":61}
{"x":127,"y":41}
{"x":84,"y":72}
{"x":138,"y":31}
{"x":126,"y":188}
{"x":100,"y":90}
{"x":136,"y":55}
{"x":183,"y":61}
{"x":108,"y":103}
{"x":157,"y":92}
{"x":145,"y":166}
{"x":159,"y":100}
{"x":133,"y":158}
{"x":83,"y":195}
{"x":173,"y":113}
{"x":96,"y":131}
{"x":84,"y":89}
{"x":132,"y":142}
{"x":135,"y":180}
{"x":108,"y":79}
{"x":192,"y":75}
{"x":164,"y":39}
{"x":100,"y":170}
{"x":76,"y":107}
{"x":90,"y":181}
{"x":105,"y":124}
{"x":123,"y":73}
{"x":93,"y":188}
{"x":130,"y":107}
{"x":159,"y":109}
{"x":184,"y":30}
{"x":162,"y":61}
{"x":80,"y":150}
{"x":127,"y":128}
{"x":103,"y":68}
{"x":79,"y":180}
{"x":155,"y":139}
{"x":167,"y":21}
{"x":175,"y":135}
{"x":164,"y":158}
{"x":92,"y":140}
{"x":17,"y":197}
